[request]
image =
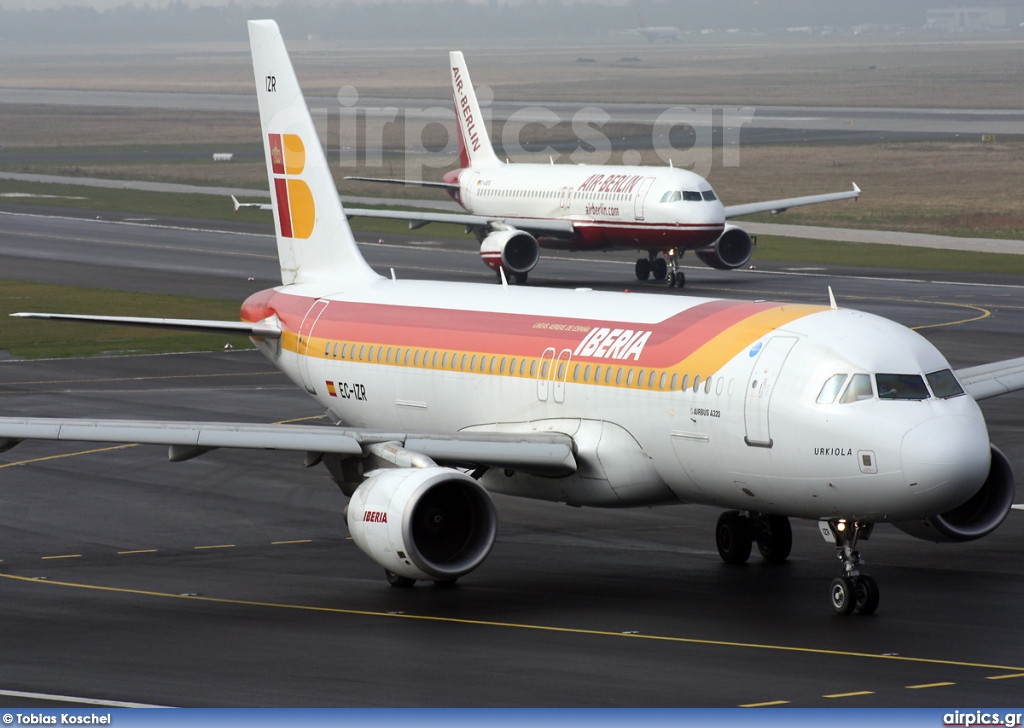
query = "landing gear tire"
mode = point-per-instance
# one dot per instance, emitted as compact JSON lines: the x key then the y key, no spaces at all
{"x":776,"y":540}
{"x":675,"y":280}
{"x":732,"y":537}
{"x":643,"y":269}
{"x":866,"y":590}
{"x":843,"y":595}
{"x":660,"y":268}
{"x":399,"y":582}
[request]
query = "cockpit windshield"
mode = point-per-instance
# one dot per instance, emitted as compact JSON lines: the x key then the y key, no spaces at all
{"x":688,"y":196}
{"x":941,"y":384}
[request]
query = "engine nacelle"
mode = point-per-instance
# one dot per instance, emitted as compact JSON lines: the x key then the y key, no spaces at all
{"x":731,"y":250}
{"x":423,"y":523}
{"x":979,"y":516}
{"x":514,"y":250}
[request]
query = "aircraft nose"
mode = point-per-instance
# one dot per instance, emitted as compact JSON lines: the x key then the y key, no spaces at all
{"x":946,"y":459}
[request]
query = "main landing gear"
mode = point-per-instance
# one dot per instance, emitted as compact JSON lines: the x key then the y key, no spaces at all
{"x":853,"y":590}
{"x":659,"y":268}
{"x":736,"y":534}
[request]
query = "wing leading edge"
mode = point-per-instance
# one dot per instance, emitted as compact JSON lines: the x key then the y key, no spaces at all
{"x":777,"y":206}
{"x":540,"y":453}
{"x":991,"y":380}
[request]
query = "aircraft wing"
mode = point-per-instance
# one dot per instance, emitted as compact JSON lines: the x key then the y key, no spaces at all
{"x":264,"y":330}
{"x":777,"y":206}
{"x":417,"y":219}
{"x":544,"y":453}
{"x":992,"y":380}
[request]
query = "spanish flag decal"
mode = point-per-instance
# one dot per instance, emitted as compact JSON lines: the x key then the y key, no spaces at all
{"x":296,"y":212}
{"x":331,"y":390}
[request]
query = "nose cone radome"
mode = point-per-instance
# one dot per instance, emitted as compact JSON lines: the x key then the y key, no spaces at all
{"x":946,"y":459}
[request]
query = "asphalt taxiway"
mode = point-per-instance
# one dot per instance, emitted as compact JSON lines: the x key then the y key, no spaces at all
{"x":229,"y":579}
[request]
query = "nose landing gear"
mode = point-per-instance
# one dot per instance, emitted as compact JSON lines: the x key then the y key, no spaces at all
{"x":853,"y":590}
{"x":659,"y":268}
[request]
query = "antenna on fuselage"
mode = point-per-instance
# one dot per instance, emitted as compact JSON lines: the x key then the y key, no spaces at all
{"x":832,"y":299}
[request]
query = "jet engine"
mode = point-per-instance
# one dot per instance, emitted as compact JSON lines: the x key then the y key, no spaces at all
{"x":979,"y":516}
{"x":731,"y":250}
{"x":429,"y":523}
{"x":514,"y":250}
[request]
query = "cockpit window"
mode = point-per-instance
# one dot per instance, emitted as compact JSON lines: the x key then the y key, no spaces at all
{"x":691,"y":196}
{"x":672,"y":196}
{"x":831,"y":388}
{"x":709,"y":195}
{"x":858,"y":389}
{"x":901,"y":386}
{"x":944,"y":384}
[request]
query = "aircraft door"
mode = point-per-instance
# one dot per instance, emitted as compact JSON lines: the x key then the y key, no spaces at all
{"x":302,"y":347}
{"x":544,"y":375}
{"x":559,"y":372}
{"x":760,"y":388}
{"x":641,"y":195}
{"x":469,"y":190}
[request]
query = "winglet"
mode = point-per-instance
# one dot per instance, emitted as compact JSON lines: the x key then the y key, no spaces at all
{"x":314,"y":240}
{"x":475,"y":148}
{"x":235,"y":203}
{"x":831,"y":299}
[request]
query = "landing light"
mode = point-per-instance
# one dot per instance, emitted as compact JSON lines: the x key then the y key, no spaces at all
{"x":841,"y":526}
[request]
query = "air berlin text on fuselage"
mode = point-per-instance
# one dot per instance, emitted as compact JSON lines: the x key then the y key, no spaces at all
{"x":603,"y":343}
{"x":610,"y":183}
{"x":375,"y":517}
{"x":472,"y":138}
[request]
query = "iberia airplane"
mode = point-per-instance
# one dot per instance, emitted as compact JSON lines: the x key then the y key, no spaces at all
{"x":516,"y":209}
{"x":443,"y":393}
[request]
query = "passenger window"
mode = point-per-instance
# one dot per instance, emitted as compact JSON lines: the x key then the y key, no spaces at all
{"x":901,"y":386}
{"x":544,"y":370}
{"x":433,"y":361}
{"x":597,"y":375}
{"x":512,"y":366}
{"x":362,"y":350}
{"x":831,"y":388}
{"x":576,"y":373}
{"x":462,"y":366}
{"x":501,"y":369}
{"x":561,"y":371}
{"x":483,"y":364}
{"x":640,"y":379}
{"x":388,"y":358}
{"x":686,"y":382}
{"x":629,"y":378}
{"x":675,"y":381}
{"x":444,"y":361}
{"x":370,"y":355}
{"x":533,"y":367}
{"x":522,"y":367}
{"x":472,"y":363}
{"x":859,"y":388}
{"x":336,"y":345}
{"x":327,"y":349}
{"x":416,"y":359}
{"x":696,"y":384}
{"x":707,"y":385}
{"x":344,"y":350}
{"x":618,"y":376}
{"x":944,"y":384}
{"x":650,"y":379}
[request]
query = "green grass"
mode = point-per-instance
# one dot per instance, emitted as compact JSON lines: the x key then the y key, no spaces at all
{"x":36,"y":339}
{"x":168,"y":204}
{"x":824,"y":252}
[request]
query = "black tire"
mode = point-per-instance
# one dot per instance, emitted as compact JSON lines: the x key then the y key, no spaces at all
{"x":776,"y":544}
{"x":842,"y":594}
{"x":867,"y":595}
{"x":399,"y":582}
{"x":680,"y":279}
{"x":732,"y":537}
{"x":643,"y":269}
{"x":670,"y":280}
{"x":660,"y":269}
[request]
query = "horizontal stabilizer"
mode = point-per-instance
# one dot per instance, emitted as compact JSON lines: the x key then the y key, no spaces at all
{"x":407,"y":182}
{"x":266,"y":331}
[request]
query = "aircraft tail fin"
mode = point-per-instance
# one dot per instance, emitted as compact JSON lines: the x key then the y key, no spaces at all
{"x":314,"y":240}
{"x":475,"y":148}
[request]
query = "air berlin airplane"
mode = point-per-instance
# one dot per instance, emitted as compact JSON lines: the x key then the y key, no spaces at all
{"x":443,"y":393}
{"x":516,"y":209}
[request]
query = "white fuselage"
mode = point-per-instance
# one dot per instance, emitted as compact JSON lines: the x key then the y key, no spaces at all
{"x":619,"y":373}
{"x":609,"y":206}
